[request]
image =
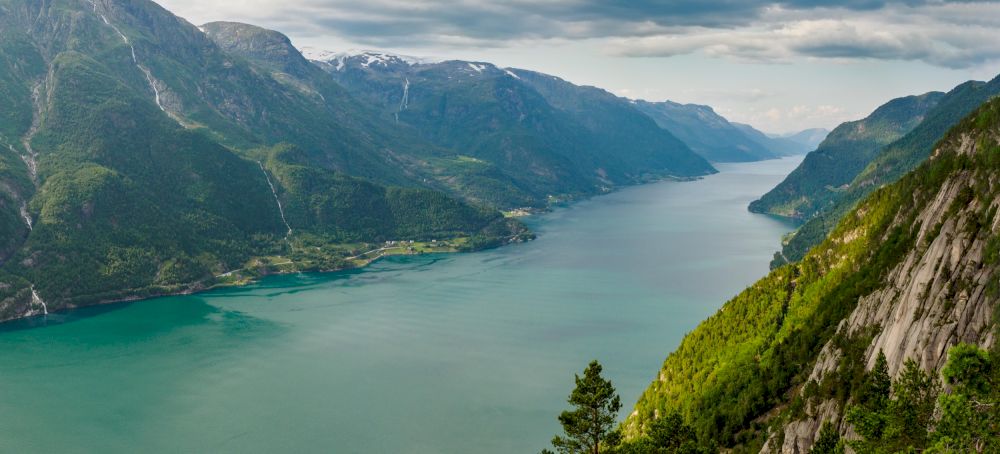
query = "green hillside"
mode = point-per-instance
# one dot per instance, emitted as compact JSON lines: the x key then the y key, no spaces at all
{"x":826,"y":172}
{"x":736,"y":374}
{"x":893,"y":161}
{"x":516,"y":138}
{"x":133,"y":163}
{"x":707,"y":133}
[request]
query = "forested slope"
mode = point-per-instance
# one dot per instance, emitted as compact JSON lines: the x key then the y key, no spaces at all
{"x":910,"y":272}
{"x":133,"y":160}
{"x":824,"y":173}
{"x":891,"y":163}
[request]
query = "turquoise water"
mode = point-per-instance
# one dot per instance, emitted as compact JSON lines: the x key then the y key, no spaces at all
{"x":432,"y":354}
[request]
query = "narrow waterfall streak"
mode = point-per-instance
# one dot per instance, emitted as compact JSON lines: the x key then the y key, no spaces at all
{"x":30,"y":158}
{"x":405,"y":102}
{"x":135,"y":60}
{"x":274,"y":192}
{"x":37,"y":301}
{"x":26,"y":216}
{"x":24,"y":206}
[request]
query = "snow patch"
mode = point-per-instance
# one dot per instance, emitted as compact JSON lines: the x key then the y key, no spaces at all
{"x":477,"y":68}
{"x":312,"y":53}
{"x":367,"y":57}
{"x":511,"y":74}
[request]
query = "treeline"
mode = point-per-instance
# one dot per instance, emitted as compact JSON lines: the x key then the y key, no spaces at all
{"x":918,"y":412}
{"x":736,"y":368}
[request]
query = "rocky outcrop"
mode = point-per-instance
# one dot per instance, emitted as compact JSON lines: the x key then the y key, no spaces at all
{"x":938,"y":296}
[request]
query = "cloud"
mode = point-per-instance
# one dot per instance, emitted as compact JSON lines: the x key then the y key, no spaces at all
{"x":952,"y":34}
{"x":946,"y":35}
{"x":782,"y":118}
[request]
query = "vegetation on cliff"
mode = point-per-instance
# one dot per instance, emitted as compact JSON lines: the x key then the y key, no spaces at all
{"x":732,"y":377}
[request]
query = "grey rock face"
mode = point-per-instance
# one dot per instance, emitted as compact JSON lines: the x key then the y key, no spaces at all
{"x":934,"y":299}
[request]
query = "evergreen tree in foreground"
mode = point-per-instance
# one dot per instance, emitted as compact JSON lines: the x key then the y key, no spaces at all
{"x":589,"y":424}
{"x":919,"y":417}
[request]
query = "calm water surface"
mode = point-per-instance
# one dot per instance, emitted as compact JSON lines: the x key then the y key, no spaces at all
{"x":433,"y":354}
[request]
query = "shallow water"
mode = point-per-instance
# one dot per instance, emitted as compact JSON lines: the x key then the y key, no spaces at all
{"x":445,"y":353}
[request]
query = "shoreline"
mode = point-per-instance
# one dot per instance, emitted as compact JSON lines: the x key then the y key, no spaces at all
{"x":201,"y":287}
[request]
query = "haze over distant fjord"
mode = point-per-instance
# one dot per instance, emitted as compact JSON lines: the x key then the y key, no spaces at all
{"x":779,"y":66}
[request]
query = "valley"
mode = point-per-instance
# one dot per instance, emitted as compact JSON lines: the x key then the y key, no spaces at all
{"x":483,"y":342}
{"x":223,"y":238}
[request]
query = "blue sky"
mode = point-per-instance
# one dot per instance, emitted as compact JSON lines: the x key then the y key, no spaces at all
{"x":780,"y":66}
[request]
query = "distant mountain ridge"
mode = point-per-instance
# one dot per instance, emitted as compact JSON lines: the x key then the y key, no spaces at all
{"x":716,"y":138}
{"x":785,"y":146}
{"x":842,"y":154}
{"x":698,"y":127}
{"x":809,"y":137}
{"x":507,"y":121}
{"x":888,"y":163}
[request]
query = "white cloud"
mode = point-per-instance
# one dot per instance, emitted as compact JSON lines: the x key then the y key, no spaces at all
{"x":797,"y":116}
{"x":942,"y":33}
{"x":948,"y":35}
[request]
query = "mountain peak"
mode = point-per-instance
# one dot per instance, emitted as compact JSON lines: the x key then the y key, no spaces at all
{"x":269,"y":47}
{"x":363,"y":58}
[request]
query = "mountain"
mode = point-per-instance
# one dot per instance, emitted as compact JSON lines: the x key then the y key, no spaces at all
{"x":826,"y":172}
{"x":811,"y":138}
{"x":719,"y":140}
{"x":141,"y":158}
{"x":142,"y":155}
{"x":613,"y":123}
{"x":891,"y":163}
{"x":796,"y":144}
{"x":905,"y":276}
{"x":706,"y":132}
{"x":512,"y":127}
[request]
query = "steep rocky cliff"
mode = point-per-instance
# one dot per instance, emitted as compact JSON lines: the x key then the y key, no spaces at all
{"x":888,"y":165}
{"x":911,"y":272}
{"x":943,"y":292}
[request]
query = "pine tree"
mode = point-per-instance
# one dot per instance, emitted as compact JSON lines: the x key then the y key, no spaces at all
{"x":900,"y":422}
{"x":878,"y":384}
{"x":828,"y":441}
{"x":970,"y":412}
{"x":670,"y":434}
{"x":589,"y":423}
{"x":868,"y":416}
{"x":911,"y":410}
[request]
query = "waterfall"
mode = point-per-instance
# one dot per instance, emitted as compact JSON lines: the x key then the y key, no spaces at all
{"x":26,"y":216}
{"x":30,"y":158}
{"x":275,"y":193}
{"x":37,"y":301}
{"x":405,"y":102}
{"x":145,"y":71}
